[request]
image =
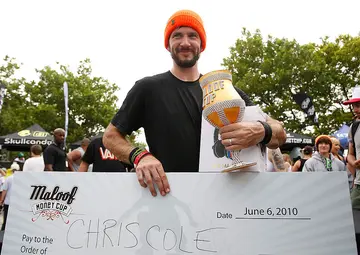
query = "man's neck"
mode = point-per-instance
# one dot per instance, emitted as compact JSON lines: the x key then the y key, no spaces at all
{"x":186,"y":74}
{"x":57,"y":144}
{"x":325,"y":155}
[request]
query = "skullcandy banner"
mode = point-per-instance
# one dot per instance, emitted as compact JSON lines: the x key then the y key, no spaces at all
{"x":205,"y":213}
{"x":24,"y":139}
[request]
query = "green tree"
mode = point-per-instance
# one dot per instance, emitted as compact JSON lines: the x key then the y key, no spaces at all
{"x":271,"y":71}
{"x":92,"y":100}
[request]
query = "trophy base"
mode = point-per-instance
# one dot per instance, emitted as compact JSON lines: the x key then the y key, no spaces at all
{"x":238,"y":166}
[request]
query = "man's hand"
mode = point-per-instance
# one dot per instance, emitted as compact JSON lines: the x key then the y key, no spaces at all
{"x":150,"y":170}
{"x":241,"y":135}
{"x":357,"y":163}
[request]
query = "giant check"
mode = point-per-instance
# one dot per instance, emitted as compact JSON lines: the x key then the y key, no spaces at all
{"x":205,"y":213}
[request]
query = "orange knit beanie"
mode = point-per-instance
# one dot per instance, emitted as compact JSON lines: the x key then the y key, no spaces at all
{"x":185,"y":18}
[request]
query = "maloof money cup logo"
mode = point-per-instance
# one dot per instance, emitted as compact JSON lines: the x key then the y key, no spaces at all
{"x":53,"y":204}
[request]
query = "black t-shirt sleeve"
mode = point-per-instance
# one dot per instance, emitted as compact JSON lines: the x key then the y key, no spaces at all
{"x":245,"y":97}
{"x":48,"y":155}
{"x":130,"y":116}
{"x":89,"y":154}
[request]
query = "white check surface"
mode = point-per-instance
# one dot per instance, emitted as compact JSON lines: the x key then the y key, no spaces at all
{"x":206,"y":213}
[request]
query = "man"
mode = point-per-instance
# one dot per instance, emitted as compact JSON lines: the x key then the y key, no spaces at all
{"x":20,"y":158}
{"x":299,"y":164}
{"x":36,"y":162}
{"x":353,"y":156}
{"x":169,"y":106}
{"x":322,"y":160}
{"x":54,"y":154}
{"x":74,"y":157}
{"x":101,"y":158}
{"x":6,"y":192}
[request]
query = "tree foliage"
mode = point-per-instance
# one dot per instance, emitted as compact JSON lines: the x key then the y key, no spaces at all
{"x":271,"y":71}
{"x":91,"y":102}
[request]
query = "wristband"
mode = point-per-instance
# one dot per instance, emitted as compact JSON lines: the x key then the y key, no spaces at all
{"x":268,"y":133}
{"x":140,"y":156}
{"x":133,"y":154}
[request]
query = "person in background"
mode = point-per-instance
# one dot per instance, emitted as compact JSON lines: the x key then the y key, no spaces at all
{"x":6,"y":192}
{"x":54,"y":155}
{"x":36,"y":162}
{"x":306,"y":154}
{"x":2,"y":179}
{"x":2,"y":171}
{"x":101,"y":159}
{"x":20,"y":158}
{"x":74,"y":157}
{"x":336,"y":148}
{"x":288,"y":162}
{"x":322,"y":160}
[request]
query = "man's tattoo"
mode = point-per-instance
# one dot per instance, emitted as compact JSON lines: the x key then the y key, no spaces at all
{"x":278,"y":159}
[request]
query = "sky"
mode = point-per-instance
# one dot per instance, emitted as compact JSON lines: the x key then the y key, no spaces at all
{"x":124,"y":39}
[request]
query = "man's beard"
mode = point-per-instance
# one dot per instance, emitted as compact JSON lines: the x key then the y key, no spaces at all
{"x":185,"y":63}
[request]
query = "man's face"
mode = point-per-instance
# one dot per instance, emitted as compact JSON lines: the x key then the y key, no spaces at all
{"x":356,"y":107}
{"x":324,"y":148}
{"x":185,"y":46}
{"x":59,"y":136}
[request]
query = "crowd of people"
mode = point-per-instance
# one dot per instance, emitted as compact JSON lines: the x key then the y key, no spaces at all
{"x":169,"y":108}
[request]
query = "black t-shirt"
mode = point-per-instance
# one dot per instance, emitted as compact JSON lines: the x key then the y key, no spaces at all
{"x":170,"y":111}
{"x":302,"y":163}
{"x":101,"y":158}
{"x":55,"y":156}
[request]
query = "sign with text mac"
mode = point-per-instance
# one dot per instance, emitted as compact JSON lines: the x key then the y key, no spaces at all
{"x":205,"y":213}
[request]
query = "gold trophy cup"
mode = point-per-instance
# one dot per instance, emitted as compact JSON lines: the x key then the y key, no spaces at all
{"x":222,"y":105}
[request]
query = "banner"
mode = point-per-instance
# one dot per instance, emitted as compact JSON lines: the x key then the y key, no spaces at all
{"x":306,"y":104}
{"x":342,"y":136}
{"x":66,"y":96}
{"x":205,"y":213}
{"x":2,"y":94}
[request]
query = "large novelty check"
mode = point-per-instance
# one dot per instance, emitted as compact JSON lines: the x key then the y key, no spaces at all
{"x":205,"y":213}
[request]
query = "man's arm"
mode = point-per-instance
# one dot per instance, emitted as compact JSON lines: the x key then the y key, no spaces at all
{"x":83,"y":166}
{"x":48,"y":158}
{"x":73,"y":156}
{"x":277,"y":160}
{"x":115,"y":142}
{"x":351,"y":159}
{"x":148,"y":170}
{"x":49,"y":167}
{"x":3,"y":195}
{"x":296,"y":166}
{"x":278,"y":133}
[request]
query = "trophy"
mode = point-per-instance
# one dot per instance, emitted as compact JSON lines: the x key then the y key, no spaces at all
{"x":222,"y":105}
